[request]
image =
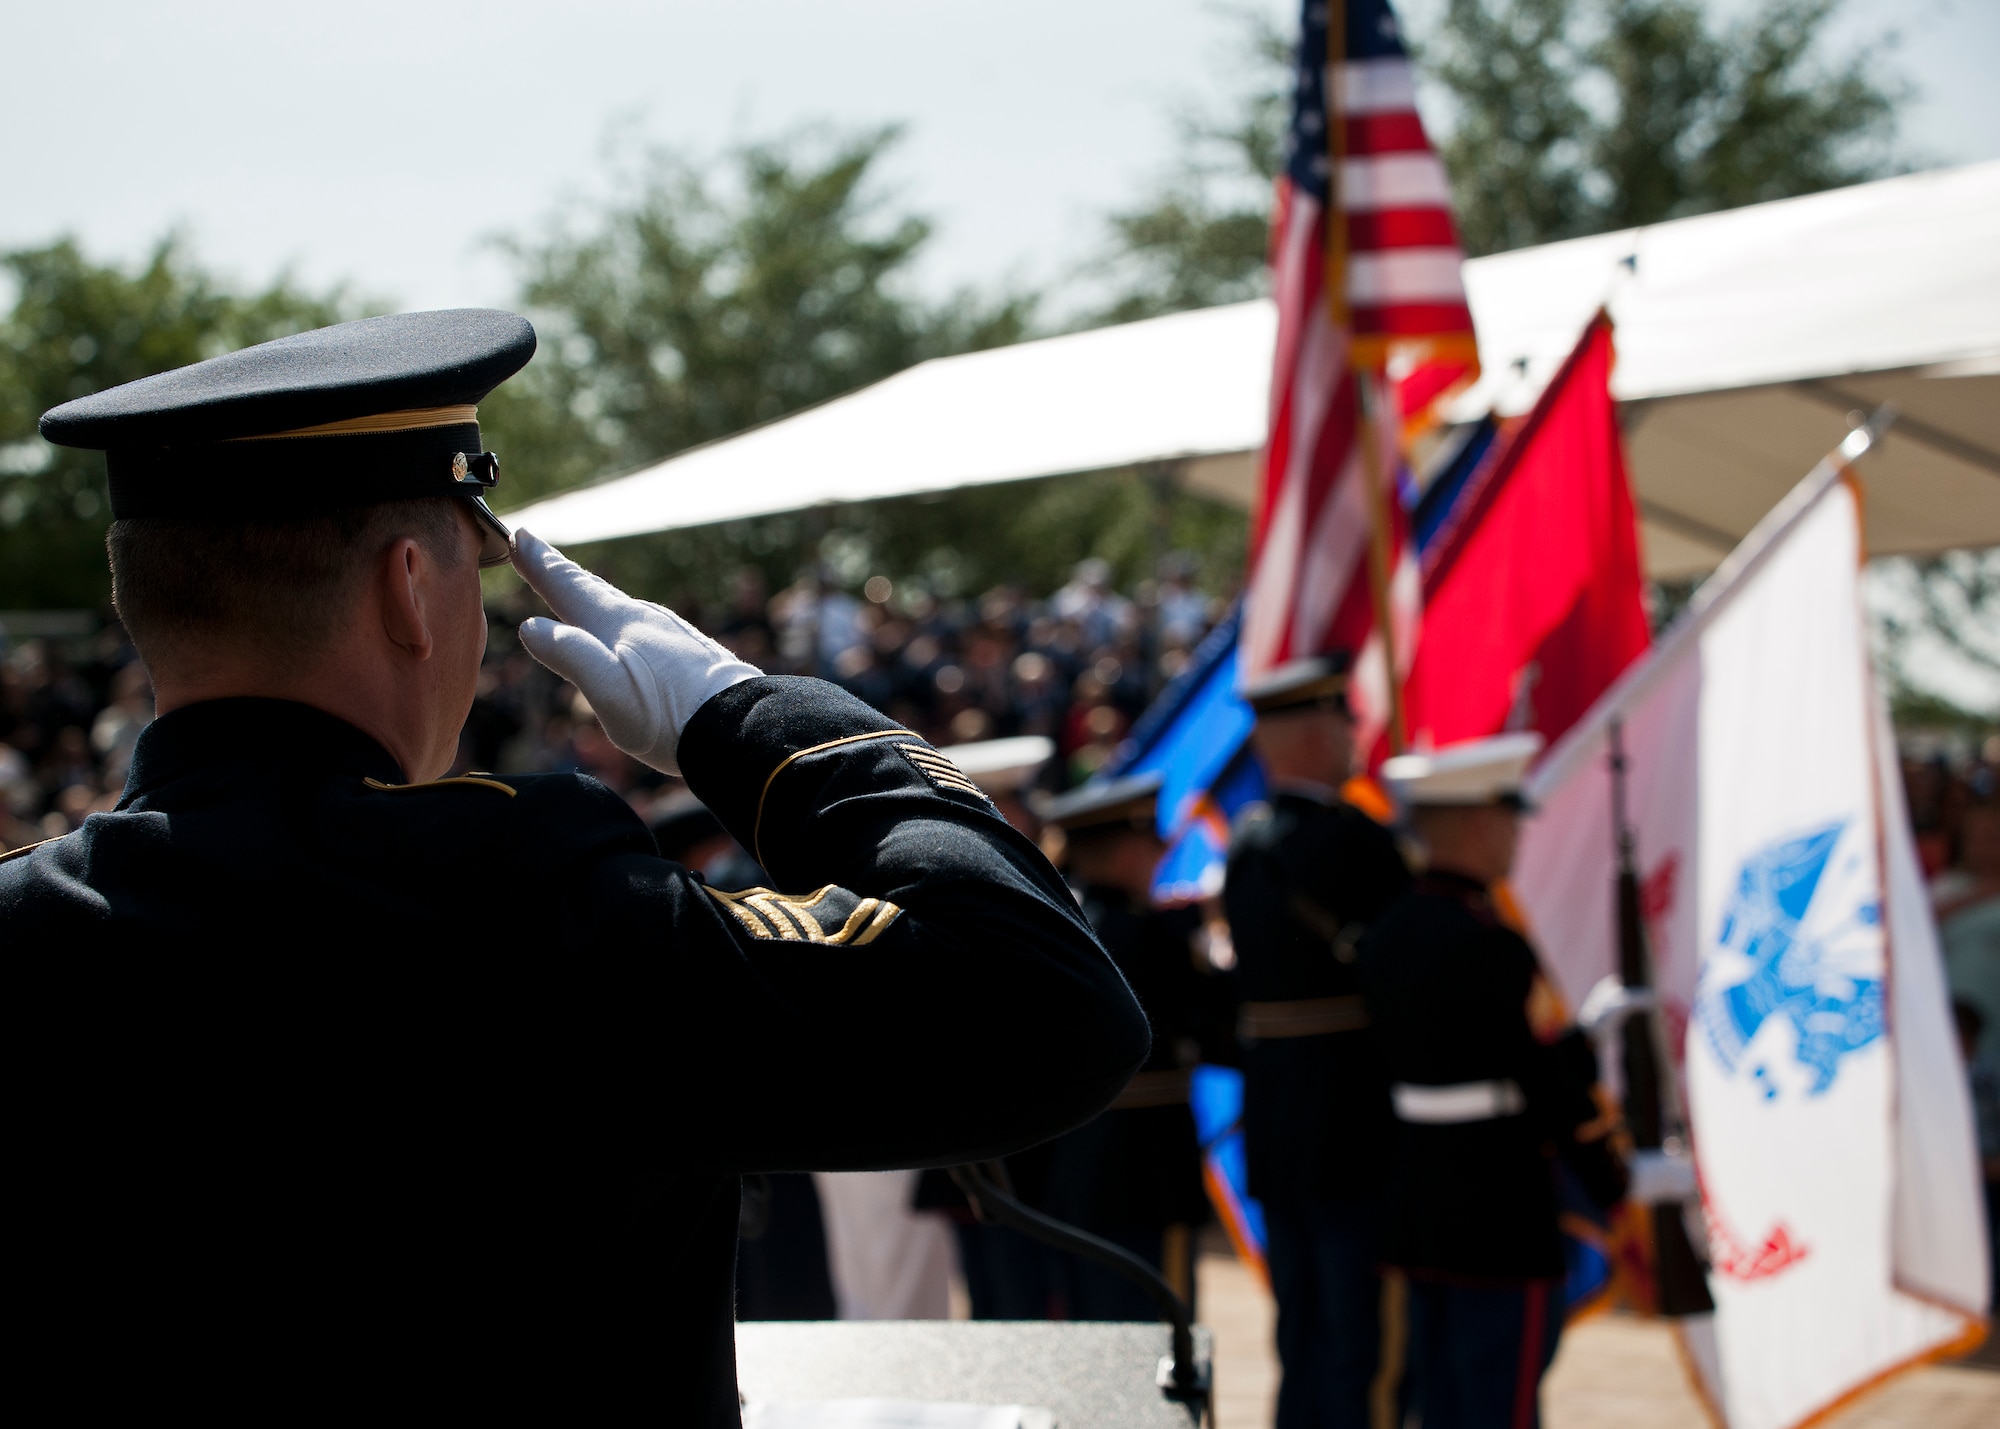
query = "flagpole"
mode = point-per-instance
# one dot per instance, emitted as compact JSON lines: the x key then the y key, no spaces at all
{"x":1380,"y":552}
{"x":1366,"y":397}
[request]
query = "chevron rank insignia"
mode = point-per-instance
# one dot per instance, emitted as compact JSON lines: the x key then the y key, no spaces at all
{"x":833,"y":915}
{"x":940,"y":770}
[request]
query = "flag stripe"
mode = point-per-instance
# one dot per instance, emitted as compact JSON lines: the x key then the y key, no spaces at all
{"x":1377,"y":86}
{"x":1405,"y":275}
{"x":1414,"y":320}
{"x":1401,"y":228}
{"x":1371,"y":182}
{"x":1398,"y":132}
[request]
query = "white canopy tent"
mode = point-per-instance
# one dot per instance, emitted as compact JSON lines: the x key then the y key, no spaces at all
{"x":1744,"y":340}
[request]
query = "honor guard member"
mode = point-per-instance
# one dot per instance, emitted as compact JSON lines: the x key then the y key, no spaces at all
{"x":1488,"y":1087}
{"x":1133,"y":1175}
{"x":345,"y":1081}
{"x":1308,"y":871}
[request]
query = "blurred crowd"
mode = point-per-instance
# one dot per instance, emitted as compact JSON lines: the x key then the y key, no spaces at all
{"x":1077,"y":666}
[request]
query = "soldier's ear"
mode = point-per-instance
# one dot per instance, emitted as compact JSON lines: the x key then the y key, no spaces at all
{"x":401,"y":581}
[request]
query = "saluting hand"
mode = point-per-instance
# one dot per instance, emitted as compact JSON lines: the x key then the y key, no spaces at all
{"x":644,"y":670}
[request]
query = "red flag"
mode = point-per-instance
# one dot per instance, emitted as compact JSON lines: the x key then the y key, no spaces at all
{"x":1534,"y":598}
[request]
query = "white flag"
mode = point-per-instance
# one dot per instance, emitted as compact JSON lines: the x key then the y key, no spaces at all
{"x":1798,"y":968}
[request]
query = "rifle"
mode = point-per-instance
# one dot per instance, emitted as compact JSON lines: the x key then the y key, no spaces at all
{"x":1652,"y":1101}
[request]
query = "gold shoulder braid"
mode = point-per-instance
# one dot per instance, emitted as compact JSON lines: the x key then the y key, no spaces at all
{"x":479,"y":780}
{"x":833,"y":915}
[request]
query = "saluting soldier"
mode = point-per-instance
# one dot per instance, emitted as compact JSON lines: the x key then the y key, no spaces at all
{"x":1133,"y":1176}
{"x":345,"y":1082}
{"x":1489,"y":1087}
{"x":1308,"y":872}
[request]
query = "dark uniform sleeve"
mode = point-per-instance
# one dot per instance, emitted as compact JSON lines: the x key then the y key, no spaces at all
{"x":1566,"y":1094}
{"x":922,"y":991}
{"x":1560,"y":1080}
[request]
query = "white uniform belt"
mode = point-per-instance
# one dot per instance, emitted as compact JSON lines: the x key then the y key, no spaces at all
{"x":1466,"y":1101}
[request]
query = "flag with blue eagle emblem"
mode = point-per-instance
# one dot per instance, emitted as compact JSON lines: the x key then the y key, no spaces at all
{"x":1797,"y":966}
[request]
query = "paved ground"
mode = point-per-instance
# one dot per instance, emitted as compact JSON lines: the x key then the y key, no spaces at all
{"x":1611,"y":1372}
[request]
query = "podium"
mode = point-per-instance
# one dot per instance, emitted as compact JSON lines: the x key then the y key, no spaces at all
{"x":1089,"y":1375}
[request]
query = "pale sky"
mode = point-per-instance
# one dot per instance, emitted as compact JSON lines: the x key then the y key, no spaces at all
{"x":381,"y":143}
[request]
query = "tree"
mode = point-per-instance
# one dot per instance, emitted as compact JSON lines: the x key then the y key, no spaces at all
{"x":1571,"y":117}
{"x":77,"y":327}
{"x":1518,"y":127}
{"x":1945,"y":606}
{"x":700,"y":304}
{"x":708,"y":298}
{"x":1561,"y":118}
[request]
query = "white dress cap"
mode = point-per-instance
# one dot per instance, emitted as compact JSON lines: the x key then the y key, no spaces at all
{"x":1476,"y":771}
{"x":1001,"y":766}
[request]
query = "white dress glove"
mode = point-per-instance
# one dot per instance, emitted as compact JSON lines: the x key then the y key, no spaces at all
{"x":644,"y":670}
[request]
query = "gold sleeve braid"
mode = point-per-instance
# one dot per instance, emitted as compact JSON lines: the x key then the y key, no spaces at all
{"x":757,"y":824}
{"x":833,"y":915}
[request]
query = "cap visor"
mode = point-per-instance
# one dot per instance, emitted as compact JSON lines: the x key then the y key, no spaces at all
{"x":498,"y":547}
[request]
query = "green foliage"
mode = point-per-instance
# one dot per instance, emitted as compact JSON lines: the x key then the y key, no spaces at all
{"x":1913,"y":707}
{"x":699,"y":304}
{"x":1520,"y":129}
{"x":704,"y":300}
{"x":1579,"y":116}
{"x":1950,"y":603}
{"x":77,"y":327}
{"x":1565,"y":117}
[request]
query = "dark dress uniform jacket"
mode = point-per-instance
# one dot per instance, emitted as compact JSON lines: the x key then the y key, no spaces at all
{"x":1448,"y":987}
{"x":1139,"y":1167}
{"x":330,"y":1090}
{"x":1304,"y":881}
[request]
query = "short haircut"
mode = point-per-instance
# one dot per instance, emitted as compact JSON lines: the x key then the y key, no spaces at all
{"x":277,"y":587}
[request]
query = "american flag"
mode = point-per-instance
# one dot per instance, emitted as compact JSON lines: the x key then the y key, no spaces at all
{"x":1378,"y":285}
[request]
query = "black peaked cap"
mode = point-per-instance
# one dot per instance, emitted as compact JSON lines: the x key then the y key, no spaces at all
{"x":332,"y":374}
{"x":1131,"y":800}
{"x":1299,"y":684}
{"x":377,"y":410}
